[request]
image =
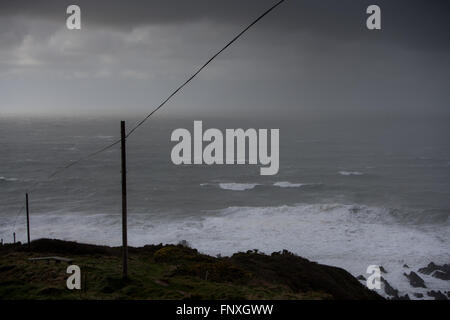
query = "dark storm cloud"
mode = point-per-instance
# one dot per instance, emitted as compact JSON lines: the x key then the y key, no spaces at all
{"x":307,"y":57}
{"x":415,"y":23}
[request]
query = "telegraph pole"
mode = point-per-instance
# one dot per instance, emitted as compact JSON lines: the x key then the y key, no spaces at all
{"x":124,"y":200}
{"x":28,"y":221}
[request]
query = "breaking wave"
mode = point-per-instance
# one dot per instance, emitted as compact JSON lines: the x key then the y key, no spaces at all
{"x":233,"y":186}
{"x":348,"y":236}
{"x":237,"y":186}
{"x":287,"y":184}
{"x":8,"y":179}
{"x":351,"y":173}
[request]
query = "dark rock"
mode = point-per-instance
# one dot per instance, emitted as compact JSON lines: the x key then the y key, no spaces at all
{"x":441,"y":275}
{"x":361,"y":277}
{"x":405,"y":266}
{"x":382,"y":269}
{"x":428,"y":269}
{"x":392,"y":291}
{"x":437,"y":295}
{"x":432,"y":267}
{"x":415,"y":280}
{"x":184,"y":243}
{"x":418,"y":295}
{"x":389,"y":289}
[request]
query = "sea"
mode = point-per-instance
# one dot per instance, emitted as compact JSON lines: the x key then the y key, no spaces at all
{"x":349,"y":193}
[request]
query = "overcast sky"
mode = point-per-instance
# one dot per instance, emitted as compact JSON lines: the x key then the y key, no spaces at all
{"x":306,"y":58}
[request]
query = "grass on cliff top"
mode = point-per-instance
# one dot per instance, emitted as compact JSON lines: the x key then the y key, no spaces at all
{"x":167,"y":272}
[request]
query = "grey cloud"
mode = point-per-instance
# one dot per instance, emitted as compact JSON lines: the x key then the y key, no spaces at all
{"x":416,"y":23}
{"x":306,"y":58}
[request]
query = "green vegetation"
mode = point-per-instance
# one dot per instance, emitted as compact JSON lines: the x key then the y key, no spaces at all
{"x":169,"y":272}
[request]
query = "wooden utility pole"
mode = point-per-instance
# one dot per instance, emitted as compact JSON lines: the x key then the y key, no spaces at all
{"x":14,"y":236}
{"x":28,"y":221}
{"x":124,"y":200}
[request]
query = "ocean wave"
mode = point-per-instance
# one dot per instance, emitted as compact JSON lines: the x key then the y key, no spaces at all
{"x":351,"y":173}
{"x":348,"y":236}
{"x":8,"y":179}
{"x":237,"y":186}
{"x":287,"y":184}
{"x":233,"y":186}
{"x":344,"y":235}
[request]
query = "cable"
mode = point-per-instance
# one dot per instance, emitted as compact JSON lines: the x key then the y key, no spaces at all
{"x":140,"y":123}
{"x":204,"y":66}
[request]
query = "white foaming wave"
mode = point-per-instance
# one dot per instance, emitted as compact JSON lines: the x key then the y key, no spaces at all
{"x":287,"y":184}
{"x":237,"y":186}
{"x":350,"y":173}
{"x":234,"y":186}
{"x":348,"y":236}
{"x":8,"y":179}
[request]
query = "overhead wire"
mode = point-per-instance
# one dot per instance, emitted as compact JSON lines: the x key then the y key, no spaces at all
{"x":177,"y":90}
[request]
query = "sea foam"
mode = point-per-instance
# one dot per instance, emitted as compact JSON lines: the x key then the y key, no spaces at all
{"x":237,"y":186}
{"x":287,"y":184}
{"x":350,"y":173}
{"x":8,"y":179}
{"x":348,"y":236}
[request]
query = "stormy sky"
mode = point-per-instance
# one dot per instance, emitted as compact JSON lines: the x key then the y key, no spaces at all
{"x":306,"y":58}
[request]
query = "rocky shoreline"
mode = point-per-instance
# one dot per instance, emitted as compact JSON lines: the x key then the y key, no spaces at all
{"x":415,"y":280}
